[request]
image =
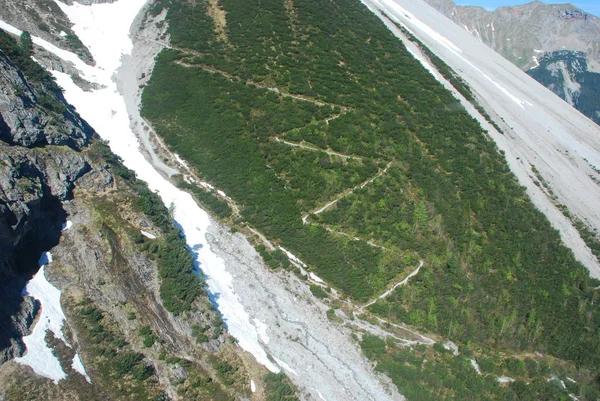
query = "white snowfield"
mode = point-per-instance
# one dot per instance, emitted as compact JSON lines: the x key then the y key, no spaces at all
{"x":540,"y":129}
{"x":77,"y":365}
{"x":51,"y":317}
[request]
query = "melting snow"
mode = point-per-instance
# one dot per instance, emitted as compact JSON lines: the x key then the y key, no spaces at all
{"x":262,"y":330}
{"x":77,"y":365}
{"x":450,"y":346}
{"x":505,"y":379}
{"x":207,"y":185}
{"x":148,"y":235}
{"x":315,"y":278}
{"x":475,"y":366}
{"x":285,"y":366}
{"x":104,"y":28}
{"x":51,"y":317}
{"x":67,"y":225}
{"x":181,"y":161}
{"x":63,"y":54}
{"x":292,"y":257}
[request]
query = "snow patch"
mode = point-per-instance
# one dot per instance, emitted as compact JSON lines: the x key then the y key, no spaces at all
{"x":77,"y":365}
{"x":505,"y":379}
{"x":39,"y":355}
{"x":63,"y":54}
{"x":292,"y":257}
{"x":252,"y":386}
{"x":450,"y":346}
{"x":181,"y":161}
{"x":148,"y":235}
{"x":262,"y":330}
{"x":475,"y":366}
{"x":316,"y":278}
{"x":68,"y":224}
{"x":207,"y":186}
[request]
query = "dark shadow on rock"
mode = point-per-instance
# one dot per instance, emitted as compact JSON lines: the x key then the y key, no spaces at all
{"x":22,"y":247}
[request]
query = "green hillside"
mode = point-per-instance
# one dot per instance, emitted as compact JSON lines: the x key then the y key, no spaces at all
{"x":289,"y":105}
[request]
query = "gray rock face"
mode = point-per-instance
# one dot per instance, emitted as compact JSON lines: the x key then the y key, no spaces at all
{"x":26,"y":121}
{"x":40,"y":164}
{"x":45,"y":19}
{"x":20,"y":320}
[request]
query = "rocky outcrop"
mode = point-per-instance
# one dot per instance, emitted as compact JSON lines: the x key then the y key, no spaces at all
{"x":45,"y":19}
{"x":28,"y":116}
{"x":41,"y":139}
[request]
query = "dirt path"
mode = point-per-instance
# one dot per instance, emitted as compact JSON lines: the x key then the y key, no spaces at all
{"x":341,"y":195}
{"x":316,"y":148}
{"x":392,"y":288}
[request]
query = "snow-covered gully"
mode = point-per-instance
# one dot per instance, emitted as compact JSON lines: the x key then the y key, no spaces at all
{"x":274,"y":317}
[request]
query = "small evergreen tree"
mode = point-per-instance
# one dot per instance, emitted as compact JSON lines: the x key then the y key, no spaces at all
{"x":26,"y":43}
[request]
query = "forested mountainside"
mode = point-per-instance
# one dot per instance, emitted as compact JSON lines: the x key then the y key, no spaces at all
{"x":384,"y":218}
{"x":544,"y":40}
{"x":566,"y":74}
{"x":138,"y":324}
{"x":334,"y":142}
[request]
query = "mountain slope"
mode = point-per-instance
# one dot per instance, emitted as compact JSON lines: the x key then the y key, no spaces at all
{"x":114,"y":312}
{"x":341,"y":151}
{"x":218,"y":98}
{"x":534,"y":37}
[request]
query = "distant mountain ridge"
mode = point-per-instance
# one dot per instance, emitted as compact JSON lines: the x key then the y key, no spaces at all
{"x":566,"y":74}
{"x":544,"y":40}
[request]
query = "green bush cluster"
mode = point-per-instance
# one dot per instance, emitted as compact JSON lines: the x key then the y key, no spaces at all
{"x":179,"y":287}
{"x":278,"y":388}
{"x":110,"y":355}
{"x":426,"y":374}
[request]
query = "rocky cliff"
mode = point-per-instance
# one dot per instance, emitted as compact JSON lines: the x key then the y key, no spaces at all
{"x":45,"y":19}
{"x":41,"y":138}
